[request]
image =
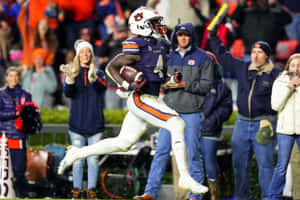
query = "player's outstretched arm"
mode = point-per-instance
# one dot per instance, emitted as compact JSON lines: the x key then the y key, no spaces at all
{"x":114,"y":66}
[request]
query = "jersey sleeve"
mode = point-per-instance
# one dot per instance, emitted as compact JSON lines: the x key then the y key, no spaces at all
{"x":131,"y":46}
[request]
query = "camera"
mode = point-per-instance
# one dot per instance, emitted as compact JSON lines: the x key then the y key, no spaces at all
{"x":292,"y":74}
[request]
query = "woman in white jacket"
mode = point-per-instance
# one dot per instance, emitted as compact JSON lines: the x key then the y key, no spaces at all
{"x":286,"y":100}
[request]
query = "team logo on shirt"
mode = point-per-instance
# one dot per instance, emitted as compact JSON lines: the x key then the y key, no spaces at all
{"x":138,"y":17}
{"x":191,"y":62}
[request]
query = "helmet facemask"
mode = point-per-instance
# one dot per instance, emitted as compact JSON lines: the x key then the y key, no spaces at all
{"x":158,"y":29}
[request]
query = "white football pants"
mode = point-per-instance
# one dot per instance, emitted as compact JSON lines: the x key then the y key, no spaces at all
{"x":143,"y":110}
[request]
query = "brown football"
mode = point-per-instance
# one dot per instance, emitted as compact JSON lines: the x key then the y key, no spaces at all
{"x":128,"y":73}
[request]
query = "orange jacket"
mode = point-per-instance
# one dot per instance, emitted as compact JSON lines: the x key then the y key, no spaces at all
{"x":81,"y":9}
{"x":28,"y":37}
{"x":37,"y":10}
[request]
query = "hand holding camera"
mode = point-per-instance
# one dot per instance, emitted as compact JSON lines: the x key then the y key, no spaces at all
{"x":294,"y":80}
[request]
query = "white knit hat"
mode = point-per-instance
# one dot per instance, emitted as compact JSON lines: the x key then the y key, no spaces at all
{"x":79,"y":44}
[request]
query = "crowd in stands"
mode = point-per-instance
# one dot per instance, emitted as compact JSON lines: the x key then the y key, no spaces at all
{"x":48,"y":29}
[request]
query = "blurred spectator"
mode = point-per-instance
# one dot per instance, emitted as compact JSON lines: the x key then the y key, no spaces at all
{"x":85,"y":87}
{"x":37,"y":10}
{"x":177,"y":11}
{"x":40,"y":81}
{"x":5,"y":39}
{"x":86,"y":34}
{"x":68,"y":60}
{"x":77,"y":15}
{"x":11,"y":96}
{"x":10,"y":11}
{"x":41,"y":37}
{"x":261,"y":21}
{"x":286,"y":100}
{"x":293,"y":29}
{"x":112,"y":46}
{"x":109,"y":13}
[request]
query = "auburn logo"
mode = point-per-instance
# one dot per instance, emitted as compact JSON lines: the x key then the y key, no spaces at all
{"x":138,"y":17}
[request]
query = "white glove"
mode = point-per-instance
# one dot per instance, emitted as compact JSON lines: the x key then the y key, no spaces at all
{"x":68,"y":70}
{"x":92,"y":76}
{"x":123,"y":93}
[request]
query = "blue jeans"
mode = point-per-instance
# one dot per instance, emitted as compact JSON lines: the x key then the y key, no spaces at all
{"x":244,"y":146}
{"x":209,"y":149}
{"x":285,"y":146}
{"x":163,"y":149}
{"x":78,"y":140}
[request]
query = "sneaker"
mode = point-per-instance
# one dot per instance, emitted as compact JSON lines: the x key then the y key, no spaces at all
{"x":67,"y":160}
{"x":189,"y":184}
{"x":76,"y":193}
{"x":144,"y":197}
{"x":91,"y":193}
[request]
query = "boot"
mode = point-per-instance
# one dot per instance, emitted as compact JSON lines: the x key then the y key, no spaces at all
{"x":91,"y":193}
{"x":76,"y":193}
{"x":214,"y":189}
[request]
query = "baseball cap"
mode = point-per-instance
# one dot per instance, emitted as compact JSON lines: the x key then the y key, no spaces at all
{"x":182,"y":30}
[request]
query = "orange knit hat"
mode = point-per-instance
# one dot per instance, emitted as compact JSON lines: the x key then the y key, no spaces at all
{"x":39,"y":52}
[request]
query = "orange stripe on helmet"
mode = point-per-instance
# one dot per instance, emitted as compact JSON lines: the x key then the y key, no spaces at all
{"x":156,"y":113}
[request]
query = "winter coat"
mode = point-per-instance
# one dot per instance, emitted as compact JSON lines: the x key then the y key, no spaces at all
{"x":198,"y":73}
{"x":217,"y":109}
{"x":87,"y":103}
{"x":254,"y":86}
{"x":9,"y":99}
{"x":287,"y":102}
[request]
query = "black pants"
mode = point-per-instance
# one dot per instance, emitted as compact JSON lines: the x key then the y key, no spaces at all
{"x":19,"y":163}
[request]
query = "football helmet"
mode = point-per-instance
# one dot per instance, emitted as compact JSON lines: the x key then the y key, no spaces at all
{"x":146,"y":22}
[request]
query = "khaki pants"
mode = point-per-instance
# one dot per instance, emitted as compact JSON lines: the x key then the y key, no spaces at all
{"x":295,"y":164}
{"x":179,"y":193}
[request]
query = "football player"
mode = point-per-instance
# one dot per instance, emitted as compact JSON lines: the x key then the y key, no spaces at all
{"x":147,"y":52}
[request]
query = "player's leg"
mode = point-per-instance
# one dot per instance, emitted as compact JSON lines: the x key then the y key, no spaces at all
{"x":157,"y":113}
{"x":132,"y":129}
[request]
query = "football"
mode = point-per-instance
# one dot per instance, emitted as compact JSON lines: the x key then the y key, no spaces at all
{"x":128,"y":73}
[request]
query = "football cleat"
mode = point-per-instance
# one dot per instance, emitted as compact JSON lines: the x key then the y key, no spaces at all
{"x":145,"y":196}
{"x":68,"y":160}
{"x":189,"y":184}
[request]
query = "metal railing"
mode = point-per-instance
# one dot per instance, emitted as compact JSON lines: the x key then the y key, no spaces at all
{"x":110,"y":128}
